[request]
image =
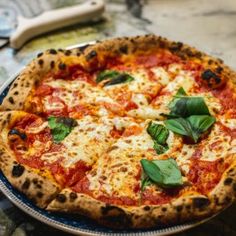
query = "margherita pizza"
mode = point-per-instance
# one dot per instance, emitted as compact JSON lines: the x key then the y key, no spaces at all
{"x":132,"y":132}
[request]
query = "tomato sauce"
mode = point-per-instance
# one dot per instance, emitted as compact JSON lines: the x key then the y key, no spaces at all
{"x":205,"y":175}
{"x":150,"y":197}
{"x":227,"y":98}
{"x":162,"y":59}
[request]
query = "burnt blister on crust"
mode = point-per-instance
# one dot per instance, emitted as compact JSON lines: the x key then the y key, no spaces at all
{"x":11,"y":100}
{"x":211,"y":78}
{"x":17,"y":132}
{"x":40,"y":62}
{"x":115,"y":217}
{"x":200,"y":203}
{"x":91,"y":55}
{"x":228,"y":181}
{"x":72,"y":196}
{"x":61,"y":198}
{"x":17,"y":170}
{"x":26,"y":184}
{"x":52,"y":51}
{"x":62,"y":66}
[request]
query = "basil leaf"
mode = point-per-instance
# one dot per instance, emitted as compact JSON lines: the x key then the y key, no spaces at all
{"x":160,"y":148}
{"x":145,"y":181}
{"x":181,"y":92}
{"x":159,"y":134}
{"x":164,"y":173}
{"x":201,"y":123}
{"x":113,"y":77}
{"x":179,"y":126}
{"x":184,"y":106}
{"x":61,"y":127}
{"x":106,"y":74}
{"x":171,"y":173}
{"x":192,"y":126}
{"x":152,"y":171}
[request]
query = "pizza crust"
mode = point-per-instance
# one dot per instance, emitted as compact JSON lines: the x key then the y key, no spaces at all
{"x":35,"y":184}
{"x":191,"y":206}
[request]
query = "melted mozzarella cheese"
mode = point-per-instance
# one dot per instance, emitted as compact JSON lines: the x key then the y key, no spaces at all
{"x":115,"y":175}
{"x":230,"y":123}
{"x":162,"y":75}
{"x":86,"y":142}
{"x":216,"y":146}
{"x":76,"y":92}
{"x":147,"y":112}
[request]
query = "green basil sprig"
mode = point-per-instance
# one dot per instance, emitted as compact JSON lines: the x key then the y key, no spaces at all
{"x":164,"y":173}
{"x":159,"y":134}
{"x":193,"y":126}
{"x":61,"y":127}
{"x":184,"y":106}
{"x":189,"y":116}
{"x":113,"y":77}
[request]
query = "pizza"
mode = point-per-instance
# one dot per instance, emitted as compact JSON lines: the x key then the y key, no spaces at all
{"x":132,"y":132}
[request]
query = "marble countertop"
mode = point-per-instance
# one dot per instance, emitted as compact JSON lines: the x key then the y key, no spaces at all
{"x":209,"y":25}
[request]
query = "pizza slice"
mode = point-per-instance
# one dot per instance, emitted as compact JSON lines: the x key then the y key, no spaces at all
{"x":53,"y":153}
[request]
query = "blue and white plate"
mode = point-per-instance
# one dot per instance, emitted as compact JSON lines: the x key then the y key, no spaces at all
{"x":69,"y":223}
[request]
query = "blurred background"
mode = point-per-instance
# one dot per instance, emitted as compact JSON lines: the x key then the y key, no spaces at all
{"x":209,"y":25}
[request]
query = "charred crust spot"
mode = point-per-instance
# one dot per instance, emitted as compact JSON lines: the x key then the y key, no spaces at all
{"x":61,"y":198}
{"x":146,"y":208}
{"x":39,"y":54}
{"x":35,"y":181}
{"x":200,"y":202}
{"x":78,"y":54}
{"x":219,"y":69}
{"x":73,"y":196}
{"x":17,"y":132}
{"x":179,"y":208}
{"x":91,"y":55}
{"x":210,"y":62}
{"x":39,"y":194}
{"x":115,"y":216}
{"x":8,"y":117}
{"x":11,"y":100}
{"x":17,"y":170}
{"x":39,"y":186}
{"x":15,"y":85}
{"x":175,"y":47}
{"x":228,"y":181}
{"x":52,"y":51}
{"x":124,"y":49}
{"x":52,"y":64}
{"x":36,"y":83}
{"x":26,"y":184}
{"x":40,"y":62}
{"x":164,"y":209}
{"x":16,"y":93}
{"x":68,"y":52}
{"x":60,"y":50}
{"x":210,"y":77}
{"x":62,"y":66}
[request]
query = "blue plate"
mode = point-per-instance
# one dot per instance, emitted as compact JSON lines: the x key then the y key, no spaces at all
{"x":71,"y":223}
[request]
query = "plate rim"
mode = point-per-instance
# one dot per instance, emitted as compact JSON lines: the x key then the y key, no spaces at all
{"x":76,"y":230}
